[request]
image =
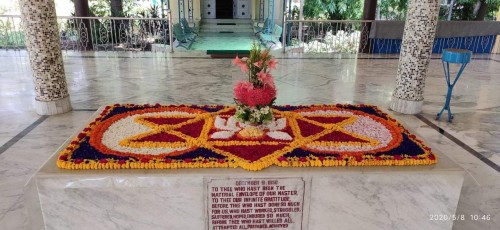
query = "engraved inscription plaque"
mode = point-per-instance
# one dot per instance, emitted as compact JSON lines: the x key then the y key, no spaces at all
{"x":255,"y":203}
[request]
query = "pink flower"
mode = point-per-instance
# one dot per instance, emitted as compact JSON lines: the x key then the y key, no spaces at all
{"x":271,"y":64}
{"x":236,"y":61}
{"x":246,"y":93}
{"x":244,"y":68}
{"x":240,"y":90}
{"x":266,"y":78}
{"x":258,"y":64}
{"x":241,"y":63}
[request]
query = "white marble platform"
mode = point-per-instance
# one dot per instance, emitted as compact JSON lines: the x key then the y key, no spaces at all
{"x":334,"y":198}
{"x":97,"y":78}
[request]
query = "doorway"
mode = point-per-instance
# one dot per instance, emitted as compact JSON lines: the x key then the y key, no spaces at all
{"x":224,"y":9}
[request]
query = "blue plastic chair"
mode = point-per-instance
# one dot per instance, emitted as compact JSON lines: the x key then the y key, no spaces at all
{"x":458,"y":56}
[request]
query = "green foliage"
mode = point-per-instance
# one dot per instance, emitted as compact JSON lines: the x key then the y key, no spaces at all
{"x":102,"y":8}
{"x":393,"y":9}
{"x":466,"y":11}
{"x":257,"y":55}
{"x":11,"y":35}
{"x":257,"y":115}
{"x":474,"y":1}
{"x":333,"y":9}
{"x":15,"y":39}
{"x":461,"y":11}
{"x":152,"y":12}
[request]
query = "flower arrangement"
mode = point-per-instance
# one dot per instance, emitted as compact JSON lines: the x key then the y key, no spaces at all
{"x":201,"y":136}
{"x":255,"y":97}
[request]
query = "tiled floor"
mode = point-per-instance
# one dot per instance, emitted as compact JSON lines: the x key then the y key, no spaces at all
{"x":96,"y":79}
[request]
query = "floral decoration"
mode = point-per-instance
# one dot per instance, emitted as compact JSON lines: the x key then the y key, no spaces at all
{"x":255,"y":96}
{"x":190,"y":136}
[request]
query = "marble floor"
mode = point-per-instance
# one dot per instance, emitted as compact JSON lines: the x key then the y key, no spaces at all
{"x":223,"y":41}
{"x":95,"y":79}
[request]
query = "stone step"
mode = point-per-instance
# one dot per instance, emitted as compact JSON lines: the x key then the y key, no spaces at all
{"x":226,"y":25}
{"x":218,"y":30}
{"x":237,"y":26}
{"x":236,"y":21}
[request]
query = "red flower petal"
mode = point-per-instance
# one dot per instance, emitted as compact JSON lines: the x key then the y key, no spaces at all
{"x":398,"y":157}
{"x":414,"y":157}
{"x":282,"y":158}
{"x":122,"y":162}
{"x":188,"y":160}
{"x":302,"y":159}
{"x":63,"y":157}
{"x":221,"y":161}
{"x":321,"y":158}
{"x":359,"y":158}
{"x":78,"y":161}
{"x":432,"y":157}
{"x":340,"y":158}
{"x":103,"y":161}
{"x":145,"y":160}
{"x":378,"y":158}
{"x":168,"y":160}
{"x":245,"y":93}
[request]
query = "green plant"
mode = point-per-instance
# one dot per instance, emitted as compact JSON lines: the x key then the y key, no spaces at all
{"x":393,"y":9}
{"x":333,"y":9}
{"x":466,"y":9}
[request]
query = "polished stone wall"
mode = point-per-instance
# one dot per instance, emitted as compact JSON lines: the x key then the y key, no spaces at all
{"x":416,"y":49}
{"x":42,"y":42}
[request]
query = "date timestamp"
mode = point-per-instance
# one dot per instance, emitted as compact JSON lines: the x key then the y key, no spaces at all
{"x":453,"y":217}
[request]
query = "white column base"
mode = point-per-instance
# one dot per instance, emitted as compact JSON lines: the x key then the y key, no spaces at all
{"x":406,"y":107}
{"x":53,"y":107}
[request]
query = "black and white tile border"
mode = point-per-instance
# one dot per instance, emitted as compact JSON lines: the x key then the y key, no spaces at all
{"x":416,"y":49}
{"x":42,"y":43}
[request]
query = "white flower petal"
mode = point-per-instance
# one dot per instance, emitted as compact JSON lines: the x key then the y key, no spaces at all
{"x":219,"y":123}
{"x":231,"y":123}
{"x":222,"y":135}
{"x":281,"y":123}
{"x":279,"y":135}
